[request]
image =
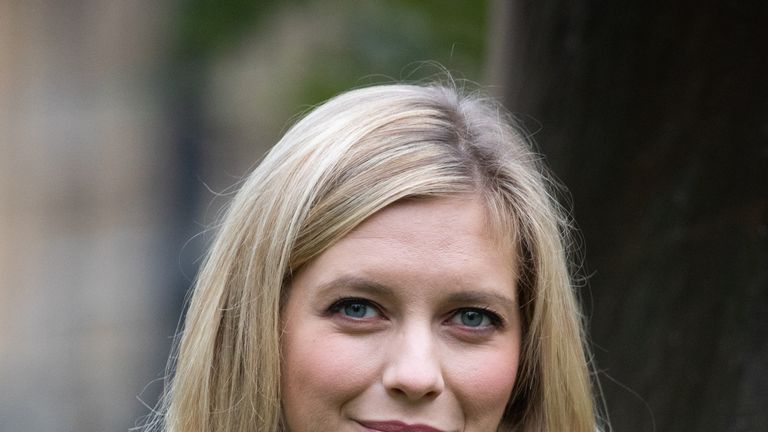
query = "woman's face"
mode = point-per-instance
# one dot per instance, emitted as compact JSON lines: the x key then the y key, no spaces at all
{"x":409,"y":320}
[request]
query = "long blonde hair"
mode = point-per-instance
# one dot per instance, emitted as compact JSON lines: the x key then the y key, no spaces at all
{"x":347,"y":159}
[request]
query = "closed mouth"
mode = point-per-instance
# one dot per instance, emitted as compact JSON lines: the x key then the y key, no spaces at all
{"x":396,"y":426}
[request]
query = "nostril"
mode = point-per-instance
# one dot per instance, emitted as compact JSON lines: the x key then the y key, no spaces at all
{"x":413,"y":393}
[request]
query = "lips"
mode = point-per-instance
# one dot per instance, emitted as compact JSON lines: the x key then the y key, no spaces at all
{"x":397,"y":426}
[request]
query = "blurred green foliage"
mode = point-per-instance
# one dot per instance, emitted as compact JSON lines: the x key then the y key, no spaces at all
{"x":381,"y":40}
{"x":205,"y":27}
{"x":393,"y":40}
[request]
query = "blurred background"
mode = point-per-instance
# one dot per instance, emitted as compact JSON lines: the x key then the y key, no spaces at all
{"x":124,"y":126}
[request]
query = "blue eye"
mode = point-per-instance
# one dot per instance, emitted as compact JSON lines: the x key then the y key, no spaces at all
{"x":475,"y":318}
{"x":355,"y":308}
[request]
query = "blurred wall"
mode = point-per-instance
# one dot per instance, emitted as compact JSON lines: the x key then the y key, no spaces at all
{"x":83,"y":204}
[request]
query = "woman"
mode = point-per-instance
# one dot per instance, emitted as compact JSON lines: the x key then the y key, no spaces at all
{"x":396,"y":263}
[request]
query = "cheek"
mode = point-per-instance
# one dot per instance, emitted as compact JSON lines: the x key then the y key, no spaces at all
{"x":484,"y":380}
{"x":323,"y":370}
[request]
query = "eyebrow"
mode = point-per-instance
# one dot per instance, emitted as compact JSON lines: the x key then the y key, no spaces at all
{"x":474,"y":296}
{"x":375,"y":288}
{"x":358,"y":284}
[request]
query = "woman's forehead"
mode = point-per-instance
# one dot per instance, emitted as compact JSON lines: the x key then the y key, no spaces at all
{"x":438,"y":240}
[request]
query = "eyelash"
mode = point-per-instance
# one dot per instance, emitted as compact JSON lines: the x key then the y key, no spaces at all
{"x":336,"y":307}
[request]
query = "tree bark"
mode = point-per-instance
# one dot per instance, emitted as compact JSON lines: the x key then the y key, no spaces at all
{"x":655,"y":115}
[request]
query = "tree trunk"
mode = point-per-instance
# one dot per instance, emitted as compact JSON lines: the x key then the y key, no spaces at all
{"x":656,"y":118}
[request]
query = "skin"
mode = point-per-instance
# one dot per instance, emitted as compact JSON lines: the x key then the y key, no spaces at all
{"x":411,"y":317}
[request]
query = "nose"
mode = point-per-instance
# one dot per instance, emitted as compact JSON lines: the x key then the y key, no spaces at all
{"x":414,"y":369}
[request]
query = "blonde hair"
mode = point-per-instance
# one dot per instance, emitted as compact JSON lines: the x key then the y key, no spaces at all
{"x":347,"y":159}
